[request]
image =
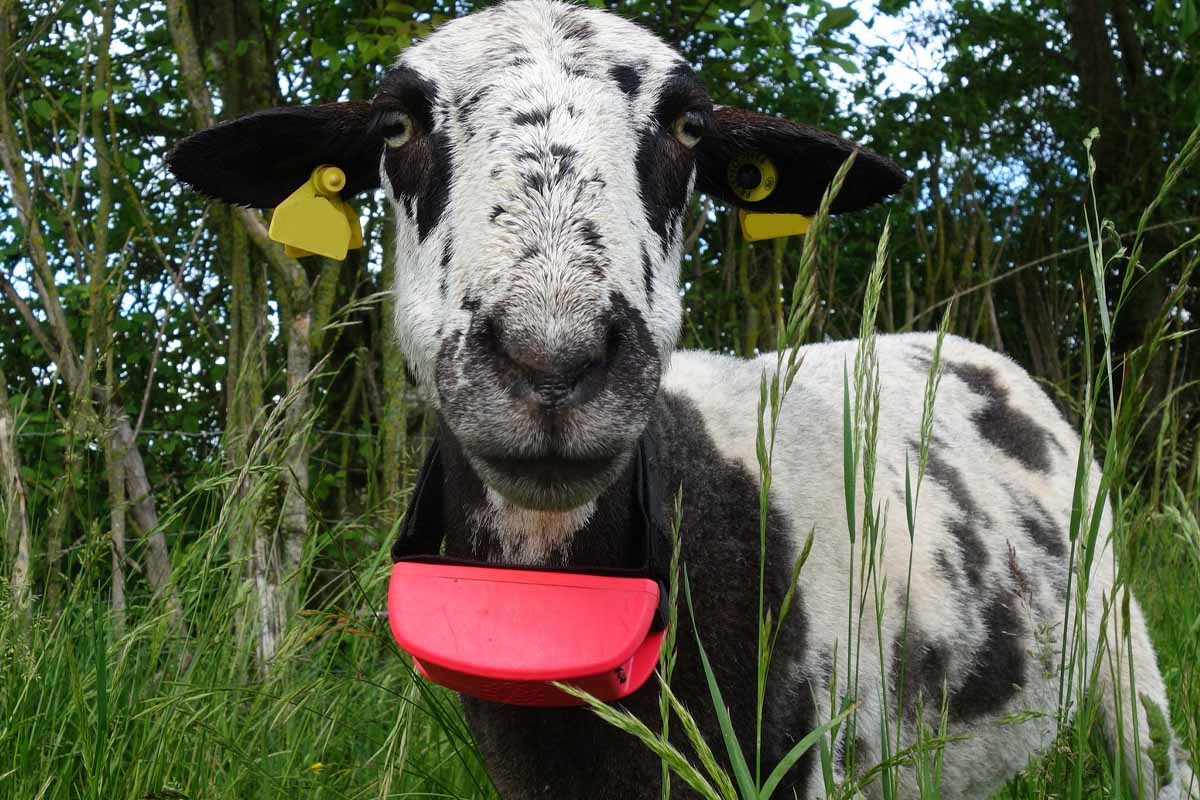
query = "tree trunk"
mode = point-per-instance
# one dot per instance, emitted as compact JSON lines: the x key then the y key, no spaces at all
{"x":15,"y":503}
{"x":61,"y":349}
{"x":295,"y":477}
{"x":113,"y":460}
{"x":250,"y":537}
{"x":116,"y":533}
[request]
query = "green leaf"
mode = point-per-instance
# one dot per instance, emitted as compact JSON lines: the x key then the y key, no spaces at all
{"x":845,"y":63}
{"x":849,"y":478}
{"x":757,"y":11}
{"x":1188,"y":18}
{"x":793,"y":755}
{"x":836,"y":19}
{"x":623,"y":720}
{"x":736,"y":759}
{"x":42,"y":108}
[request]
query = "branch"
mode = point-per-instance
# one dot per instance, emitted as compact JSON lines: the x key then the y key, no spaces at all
{"x":694,"y":235}
{"x":1036,"y":262}
{"x":14,"y":167}
{"x":39,"y":333}
{"x":286,"y":268}
{"x":678,"y":36}
{"x":190,"y":64}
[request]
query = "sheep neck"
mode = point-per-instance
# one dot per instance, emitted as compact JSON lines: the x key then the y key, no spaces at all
{"x":481,"y":526}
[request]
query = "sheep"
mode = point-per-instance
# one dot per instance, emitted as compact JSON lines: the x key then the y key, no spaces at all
{"x":539,"y":157}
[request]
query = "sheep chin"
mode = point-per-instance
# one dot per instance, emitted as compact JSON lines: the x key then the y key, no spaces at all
{"x":532,"y":536}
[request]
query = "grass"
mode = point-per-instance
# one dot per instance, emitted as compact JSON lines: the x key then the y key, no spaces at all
{"x":91,"y":713}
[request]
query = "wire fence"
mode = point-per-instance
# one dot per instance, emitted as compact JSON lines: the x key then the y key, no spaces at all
{"x":216,"y":435}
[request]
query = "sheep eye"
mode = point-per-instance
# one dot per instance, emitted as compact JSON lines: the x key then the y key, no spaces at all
{"x":397,"y":128}
{"x":689,"y":128}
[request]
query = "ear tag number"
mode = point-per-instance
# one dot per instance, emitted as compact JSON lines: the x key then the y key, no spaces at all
{"x":315,"y":221}
{"x":756,"y":227}
{"x":753,"y":178}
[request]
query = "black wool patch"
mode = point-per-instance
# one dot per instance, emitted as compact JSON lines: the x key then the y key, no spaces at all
{"x":944,"y":567}
{"x":970,"y":546}
{"x":535,"y":181}
{"x":966,"y":526}
{"x":537,"y":116}
{"x":627,"y":78}
{"x":592,"y":239}
{"x":648,"y":276}
{"x":573,"y":26}
{"x":1001,"y":423}
{"x":998,"y":672}
{"x":575,"y":71}
{"x":447,"y":257}
{"x":664,"y":168}
{"x":431,"y":207}
{"x":465,"y":111}
{"x":566,"y":157}
{"x":1043,"y":531}
{"x":918,"y":670}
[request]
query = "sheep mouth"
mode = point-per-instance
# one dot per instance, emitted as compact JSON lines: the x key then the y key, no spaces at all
{"x":551,"y":470}
{"x":549,"y":482}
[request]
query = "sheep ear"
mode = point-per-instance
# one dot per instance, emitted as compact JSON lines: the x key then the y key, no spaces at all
{"x":735,"y":160}
{"x":260,"y":159}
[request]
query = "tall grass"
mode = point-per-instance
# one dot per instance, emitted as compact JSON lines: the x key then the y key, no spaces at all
{"x":86,"y":712}
{"x":1080,"y":765}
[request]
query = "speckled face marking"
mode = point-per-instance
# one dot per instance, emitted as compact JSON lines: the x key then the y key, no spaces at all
{"x":539,"y":201}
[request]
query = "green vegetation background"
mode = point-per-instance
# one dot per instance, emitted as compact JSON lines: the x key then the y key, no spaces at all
{"x":205,"y":447}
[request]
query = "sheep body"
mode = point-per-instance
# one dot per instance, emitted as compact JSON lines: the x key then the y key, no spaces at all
{"x":990,"y":563}
{"x":539,"y":157}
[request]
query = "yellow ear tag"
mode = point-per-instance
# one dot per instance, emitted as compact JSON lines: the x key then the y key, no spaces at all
{"x":314,"y":220}
{"x":753,"y":177}
{"x":756,"y":227}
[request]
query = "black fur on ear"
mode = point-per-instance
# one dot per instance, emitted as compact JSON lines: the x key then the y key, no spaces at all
{"x":805,"y":159}
{"x":260,"y":159}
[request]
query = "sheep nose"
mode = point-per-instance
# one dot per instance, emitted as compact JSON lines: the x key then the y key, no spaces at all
{"x":552,"y":376}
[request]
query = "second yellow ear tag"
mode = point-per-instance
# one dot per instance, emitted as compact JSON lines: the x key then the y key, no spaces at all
{"x":756,"y":227}
{"x":315,"y":220}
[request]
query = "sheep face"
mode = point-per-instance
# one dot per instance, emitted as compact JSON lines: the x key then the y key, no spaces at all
{"x":539,"y":157}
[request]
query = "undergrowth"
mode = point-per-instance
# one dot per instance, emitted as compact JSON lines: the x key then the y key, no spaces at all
{"x":91,"y":712}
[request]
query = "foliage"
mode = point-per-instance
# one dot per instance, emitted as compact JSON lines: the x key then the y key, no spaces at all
{"x":183,"y":328}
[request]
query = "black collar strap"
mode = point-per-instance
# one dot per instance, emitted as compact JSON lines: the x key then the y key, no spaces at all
{"x":423,"y":529}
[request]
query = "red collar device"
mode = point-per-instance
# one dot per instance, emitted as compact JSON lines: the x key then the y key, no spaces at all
{"x":501,"y":632}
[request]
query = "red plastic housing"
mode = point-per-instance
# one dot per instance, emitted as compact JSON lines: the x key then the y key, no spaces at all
{"x":500,"y":634}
